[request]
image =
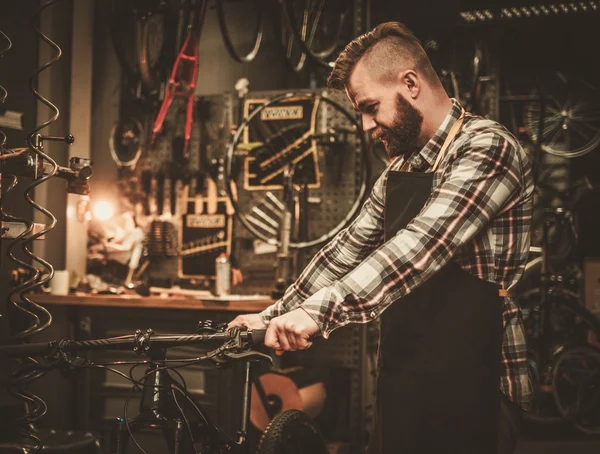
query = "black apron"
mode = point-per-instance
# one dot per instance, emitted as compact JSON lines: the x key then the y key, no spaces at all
{"x":438,"y":382}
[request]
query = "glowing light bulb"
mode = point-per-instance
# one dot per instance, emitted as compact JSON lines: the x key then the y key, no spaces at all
{"x":103,"y":210}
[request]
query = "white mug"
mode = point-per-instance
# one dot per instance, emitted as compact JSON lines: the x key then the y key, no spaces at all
{"x":59,"y":285}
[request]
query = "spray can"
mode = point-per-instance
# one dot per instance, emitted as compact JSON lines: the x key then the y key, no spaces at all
{"x":223,"y":275}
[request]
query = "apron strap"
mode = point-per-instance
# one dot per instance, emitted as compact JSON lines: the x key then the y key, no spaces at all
{"x":449,"y":139}
{"x":405,"y":167}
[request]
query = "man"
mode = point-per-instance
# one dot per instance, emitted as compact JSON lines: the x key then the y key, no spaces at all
{"x":446,"y":229}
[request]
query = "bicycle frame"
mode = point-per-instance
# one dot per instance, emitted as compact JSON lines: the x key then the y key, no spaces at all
{"x":159,"y":406}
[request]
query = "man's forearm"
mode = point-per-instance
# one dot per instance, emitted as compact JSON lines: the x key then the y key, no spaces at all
{"x":344,"y":253}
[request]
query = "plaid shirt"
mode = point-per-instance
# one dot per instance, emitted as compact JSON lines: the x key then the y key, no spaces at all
{"x":478,"y":215}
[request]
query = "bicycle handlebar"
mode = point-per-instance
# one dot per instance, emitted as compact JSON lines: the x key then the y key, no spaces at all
{"x":141,"y":340}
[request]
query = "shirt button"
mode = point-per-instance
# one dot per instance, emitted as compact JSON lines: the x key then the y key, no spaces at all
{"x":373,"y":314}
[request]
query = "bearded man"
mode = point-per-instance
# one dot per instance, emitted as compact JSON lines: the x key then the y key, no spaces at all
{"x":443,"y":236}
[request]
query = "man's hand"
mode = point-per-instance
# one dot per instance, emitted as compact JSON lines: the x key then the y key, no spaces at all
{"x":291,"y":331}
{"x":252,"y":321}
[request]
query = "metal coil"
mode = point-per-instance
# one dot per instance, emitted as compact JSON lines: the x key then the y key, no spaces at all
{"x":38,"y":318}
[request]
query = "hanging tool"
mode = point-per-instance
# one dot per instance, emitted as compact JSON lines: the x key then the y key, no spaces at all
{"x":184,"y":75}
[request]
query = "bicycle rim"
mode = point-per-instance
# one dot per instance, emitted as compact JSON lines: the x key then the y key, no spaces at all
{"x":305,"y":31}
{"x":581,"y":324}
{"x":577,"y":387}
{"x":258,"y":34}
{"x":364,"y":170}
{"x":571,"y":121}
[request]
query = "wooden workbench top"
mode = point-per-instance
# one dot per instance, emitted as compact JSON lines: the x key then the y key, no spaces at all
{"x":235,"y":304}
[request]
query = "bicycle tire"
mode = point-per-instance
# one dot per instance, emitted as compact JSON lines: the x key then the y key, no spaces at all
{"x":365,"y":172}
{"x":258,"y":34}
{"x":321,"y":58}
{"x":570,"y":109}
{"x":124,"y":37}
{"x":149,"y":54}
{"x":565,"y":299}
{"x":592,"y":395}
{"x":292,"y":431}
{"x":286,"y":40}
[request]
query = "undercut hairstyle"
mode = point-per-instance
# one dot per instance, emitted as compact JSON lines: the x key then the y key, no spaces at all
{"x":386,"y":49}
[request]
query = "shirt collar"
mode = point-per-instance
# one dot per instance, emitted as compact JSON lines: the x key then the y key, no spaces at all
{"x":426,"y":156}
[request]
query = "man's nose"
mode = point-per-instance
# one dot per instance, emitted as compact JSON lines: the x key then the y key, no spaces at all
{"x":368,"y":123}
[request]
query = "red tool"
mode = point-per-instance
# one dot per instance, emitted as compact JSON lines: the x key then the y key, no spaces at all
{"x":182,"y":81}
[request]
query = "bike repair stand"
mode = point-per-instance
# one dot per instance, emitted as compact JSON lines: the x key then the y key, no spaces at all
{"x":160,"y":407}
{"x":157,"y":405}
{"x":284,"y":272}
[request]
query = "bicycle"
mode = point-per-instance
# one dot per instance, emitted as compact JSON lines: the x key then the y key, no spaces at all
{"x":563,"y":339}
{"x":166,"y":403}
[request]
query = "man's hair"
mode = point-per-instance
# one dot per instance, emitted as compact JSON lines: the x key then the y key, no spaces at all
{"x":386,"y":48}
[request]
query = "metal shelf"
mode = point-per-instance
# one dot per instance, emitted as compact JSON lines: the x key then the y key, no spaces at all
{"x":531,"y":11}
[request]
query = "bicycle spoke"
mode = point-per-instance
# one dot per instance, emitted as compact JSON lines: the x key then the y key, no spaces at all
{"x":556,"y":136}
{"x":580,"y":131}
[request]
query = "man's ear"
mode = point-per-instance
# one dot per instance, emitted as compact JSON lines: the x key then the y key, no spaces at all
{"x":410,"y":83}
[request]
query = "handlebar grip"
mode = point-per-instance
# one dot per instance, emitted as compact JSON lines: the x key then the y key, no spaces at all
{"x":257,"y":336}
{"x":22,"y":350}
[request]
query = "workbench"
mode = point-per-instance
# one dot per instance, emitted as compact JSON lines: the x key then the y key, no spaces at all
{"x":90,"y":399}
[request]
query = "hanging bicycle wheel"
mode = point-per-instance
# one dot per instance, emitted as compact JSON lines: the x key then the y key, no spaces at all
{"x":571,"y":122}
{"x":292,"y":53}
{"x":577,"y":387}
{"x":257,"y":29}
{"x":292,"y":432}
{"x":126,"y":142}
{"x":319,"y":27}
{"x":465,"y":70}
{"x":152,"y":43}
{"x":323,"y":143}
{"x":124,"y":36}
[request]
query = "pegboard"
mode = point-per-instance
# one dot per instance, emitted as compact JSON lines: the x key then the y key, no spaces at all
{"x":215,"y":117}
{"x":190,"y":177}
{"x":331,"y":195}
{"x":337,"y":188}
{"x":203,"y":236}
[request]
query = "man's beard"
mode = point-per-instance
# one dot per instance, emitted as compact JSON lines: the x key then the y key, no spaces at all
{"x":400,"y":138}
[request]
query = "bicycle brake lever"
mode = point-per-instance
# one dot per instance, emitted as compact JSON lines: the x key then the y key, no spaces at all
{"x":258,"y":356}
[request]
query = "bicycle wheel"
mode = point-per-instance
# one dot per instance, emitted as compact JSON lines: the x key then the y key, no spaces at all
{"x":292,"y":432}
{"x":572,"y":326}
{"x":571,"y":122}
{"x":292,"y":52}
{"x":322,"y":140}
{"x":576,"y":386}
{"x":124,"y":36}
{"x":152,"y":41}
{"x":318,"y":27}
{"x":257,"y":34}
{"x":465,"y":71}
